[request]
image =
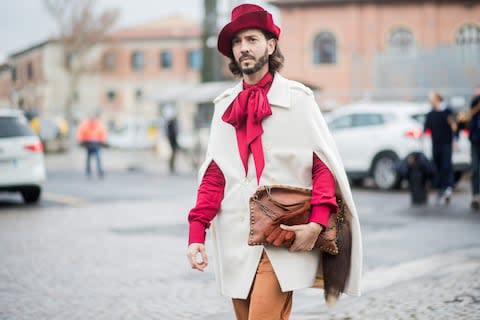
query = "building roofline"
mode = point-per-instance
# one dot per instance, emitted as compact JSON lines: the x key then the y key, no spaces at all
{"x":31,"y":48}
{"x":147,"y":37}
{"x":308,"y":3}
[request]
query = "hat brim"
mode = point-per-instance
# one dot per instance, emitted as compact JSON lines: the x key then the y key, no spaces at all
{"x":253,"y":20}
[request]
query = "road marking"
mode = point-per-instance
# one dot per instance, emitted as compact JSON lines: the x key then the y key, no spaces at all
{"x":55,"y":197}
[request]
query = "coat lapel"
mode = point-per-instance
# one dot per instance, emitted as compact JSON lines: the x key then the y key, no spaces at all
{"x":279,"y":93}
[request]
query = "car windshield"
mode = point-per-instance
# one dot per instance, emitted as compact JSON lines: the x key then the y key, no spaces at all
{"x":14,"y":127}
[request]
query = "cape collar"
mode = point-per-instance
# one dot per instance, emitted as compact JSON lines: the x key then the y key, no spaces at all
{"x":278,"y":95}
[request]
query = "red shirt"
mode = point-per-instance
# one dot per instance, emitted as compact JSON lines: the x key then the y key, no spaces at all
{"x":211,"y":191}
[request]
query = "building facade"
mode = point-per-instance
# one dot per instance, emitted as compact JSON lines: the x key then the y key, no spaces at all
{"x":123,"y":72}
{"x":381,"y":49}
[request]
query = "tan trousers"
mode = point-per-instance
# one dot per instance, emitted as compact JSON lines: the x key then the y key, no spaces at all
{"x":266,"y":300}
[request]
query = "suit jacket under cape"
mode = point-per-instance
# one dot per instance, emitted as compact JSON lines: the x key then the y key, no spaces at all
{"x":291,"y":135}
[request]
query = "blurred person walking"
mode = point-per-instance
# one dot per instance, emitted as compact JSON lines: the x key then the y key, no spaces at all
{"x":441,"y":124}
{"x":171,"y":130}
{"x":474,"y":137}
{"x":267,"y":130}
{"x":92,"y":134}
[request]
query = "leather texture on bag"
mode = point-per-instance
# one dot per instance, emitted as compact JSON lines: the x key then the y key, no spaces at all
{"x":273,"y":205}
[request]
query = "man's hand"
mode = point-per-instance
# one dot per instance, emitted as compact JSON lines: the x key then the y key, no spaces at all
{"x":305,"y":235}
{"x":194,"y":250}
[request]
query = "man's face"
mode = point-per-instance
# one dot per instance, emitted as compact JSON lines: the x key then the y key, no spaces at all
{"x":251,"y":50}
{"x":433,"y":99}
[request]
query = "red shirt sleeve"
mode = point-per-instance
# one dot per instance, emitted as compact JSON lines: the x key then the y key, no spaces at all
{"x":323,"y":200}
{"x":209,"y":199}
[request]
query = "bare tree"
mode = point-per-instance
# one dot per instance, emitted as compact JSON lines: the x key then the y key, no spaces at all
{"x":81,"y":25}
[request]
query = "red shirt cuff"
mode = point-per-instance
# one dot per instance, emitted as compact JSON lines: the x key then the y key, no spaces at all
{"x":196,"y":233}
{"x":320,"y":214}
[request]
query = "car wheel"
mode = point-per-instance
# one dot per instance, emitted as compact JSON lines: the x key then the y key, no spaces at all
{"x":384,"y":171}
{"x":31,"y":195}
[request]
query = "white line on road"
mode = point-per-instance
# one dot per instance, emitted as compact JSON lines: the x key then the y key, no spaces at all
{"x":55,"y":197}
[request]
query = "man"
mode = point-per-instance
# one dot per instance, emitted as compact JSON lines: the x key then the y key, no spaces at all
{"x":440,"y":123}
{"x":92,"y":135}
{"x":474,"y":137}
{"x":171,"y":126}
{"x":266,"y":130}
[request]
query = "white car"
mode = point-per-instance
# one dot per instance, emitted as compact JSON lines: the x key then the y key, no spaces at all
{"x":132,"y":134}
{"x":372,"y":136}
{"x":22,"y":166}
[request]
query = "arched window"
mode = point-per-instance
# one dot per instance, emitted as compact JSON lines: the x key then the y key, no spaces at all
{"x":325,"y":48}
{"x":401,"y":40}
{"x":468,"y":34}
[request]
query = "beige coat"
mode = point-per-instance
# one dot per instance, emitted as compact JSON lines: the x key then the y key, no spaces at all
{"x":295,"y":130}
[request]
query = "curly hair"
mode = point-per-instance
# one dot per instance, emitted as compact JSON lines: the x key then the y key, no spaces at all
{"x":275,"y":60}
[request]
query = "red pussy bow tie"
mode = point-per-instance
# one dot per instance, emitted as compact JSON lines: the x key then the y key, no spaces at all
{"x":246,"y":114}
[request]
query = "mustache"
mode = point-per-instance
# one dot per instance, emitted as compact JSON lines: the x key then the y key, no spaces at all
{"x":245,"y":56}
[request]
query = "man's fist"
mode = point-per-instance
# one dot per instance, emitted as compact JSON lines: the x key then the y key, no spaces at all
{"x":197,"y":256}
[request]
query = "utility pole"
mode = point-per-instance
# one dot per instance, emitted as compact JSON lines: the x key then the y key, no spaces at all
{"x":211,"y":58}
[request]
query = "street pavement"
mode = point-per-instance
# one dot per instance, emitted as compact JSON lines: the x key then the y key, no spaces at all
{"x":115,"y":249}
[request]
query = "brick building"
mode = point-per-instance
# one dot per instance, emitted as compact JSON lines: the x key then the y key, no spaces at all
{"x":124,"y":70}
{"x":381,"y":49}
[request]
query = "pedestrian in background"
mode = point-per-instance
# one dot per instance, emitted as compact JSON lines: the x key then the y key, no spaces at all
{"x":440,"y":123}
{"x":419,"y":172}
{"x":474,"y":137}
{"x":266,"y":130}
{"x":171,"y":130}
{"x":91,"y":134}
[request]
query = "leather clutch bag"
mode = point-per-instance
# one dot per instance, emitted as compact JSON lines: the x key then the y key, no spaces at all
{"x":273,"y":205}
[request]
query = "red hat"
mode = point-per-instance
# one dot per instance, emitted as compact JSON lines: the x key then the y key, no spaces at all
{"x":245,"y":16}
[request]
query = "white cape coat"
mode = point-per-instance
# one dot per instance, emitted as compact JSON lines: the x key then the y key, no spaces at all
{"x":291,"y":135}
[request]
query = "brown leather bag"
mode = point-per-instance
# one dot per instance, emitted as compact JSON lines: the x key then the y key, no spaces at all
{"x":273,"y":205}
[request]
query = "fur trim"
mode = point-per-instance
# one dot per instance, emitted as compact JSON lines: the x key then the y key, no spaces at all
{"x":334,"y":270}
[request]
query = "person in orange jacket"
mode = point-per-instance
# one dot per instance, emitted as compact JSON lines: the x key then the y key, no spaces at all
{"x":92,"y":135}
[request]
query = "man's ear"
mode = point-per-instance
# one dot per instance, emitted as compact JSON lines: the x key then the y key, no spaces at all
{"x":271,"y":45}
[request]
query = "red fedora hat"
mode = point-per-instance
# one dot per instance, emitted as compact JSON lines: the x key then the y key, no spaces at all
{"x":245,"y":16}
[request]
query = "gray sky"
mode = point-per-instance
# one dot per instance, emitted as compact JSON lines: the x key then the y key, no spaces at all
{"x":26,"y":22}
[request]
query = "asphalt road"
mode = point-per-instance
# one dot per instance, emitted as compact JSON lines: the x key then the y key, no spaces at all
{"x":114,"y":248}
{"x":412,"y":232}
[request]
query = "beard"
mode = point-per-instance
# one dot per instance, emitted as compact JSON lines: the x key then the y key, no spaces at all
{"x":263,"y":60}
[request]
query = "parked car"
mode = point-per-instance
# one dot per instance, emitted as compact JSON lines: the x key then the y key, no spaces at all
{"x":53,"y":131}
{"x":132,"y":134}
{"x":373,"y":136}
{"x":22,"y":167}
